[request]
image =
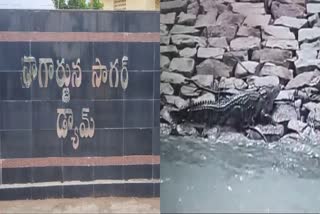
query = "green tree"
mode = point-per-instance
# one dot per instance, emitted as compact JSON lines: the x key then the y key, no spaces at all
{"x":77,"y":4}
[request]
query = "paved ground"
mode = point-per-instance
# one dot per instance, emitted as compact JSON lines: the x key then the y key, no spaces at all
{"x":83,"y":205}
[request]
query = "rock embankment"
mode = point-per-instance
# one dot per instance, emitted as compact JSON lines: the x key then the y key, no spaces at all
{"x":277,"y":42}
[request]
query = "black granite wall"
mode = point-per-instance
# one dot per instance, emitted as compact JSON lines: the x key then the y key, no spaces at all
{"x":35,"y":162}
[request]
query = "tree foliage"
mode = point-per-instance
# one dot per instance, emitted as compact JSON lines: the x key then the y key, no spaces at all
{"x":77,"y":4}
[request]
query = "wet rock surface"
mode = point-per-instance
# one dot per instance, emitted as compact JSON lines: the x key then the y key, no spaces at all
{"x":233,"y":46}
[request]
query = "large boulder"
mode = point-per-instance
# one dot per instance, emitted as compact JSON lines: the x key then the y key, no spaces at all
{"x":173,"y":78}
{"x":231,"y":58}
{"x":203,"y":79}
{"x":214,"y":67}
{"x":184,"y":29}
{"x":229,"y":18}
{"x":184,"y":66}
{"x":303,"y":79}
{"x":188,"y":52}
{"x":293,"y":10}
{"x":285,"y":44}
{"x":166,"y":88}
{"x":245,"y":43}
{"x":246,"y":68}
{"x":245,"y":31}
{"x":270,"y":69}
{"x":183,"y":41}
{"x":309,"y":34}
{"x":205,"y":20}
{"x":277,"y":32}
{"x":176,"y":101}
{"x":186,"y":19}
{"x":291,"y":22}
{"x":263,"y":81}
{"x":173,"y":6}
{"x":227,"y":31}
{"x":284,"y":113}
{"x":206,"y":53}
{"x":218,"y":42}
{"x":276,"y":56}
{"x":232,"y":83}
{"x":168,"y":19}
{"x":257,"y":20}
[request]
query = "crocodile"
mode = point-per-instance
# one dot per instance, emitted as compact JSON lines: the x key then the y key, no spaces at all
{"x":241,"y":110}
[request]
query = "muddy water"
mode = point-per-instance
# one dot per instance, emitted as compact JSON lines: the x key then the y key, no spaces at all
{"x":234,"y":174}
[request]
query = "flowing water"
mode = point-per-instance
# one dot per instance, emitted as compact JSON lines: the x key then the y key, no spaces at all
{"x":234,"y":174}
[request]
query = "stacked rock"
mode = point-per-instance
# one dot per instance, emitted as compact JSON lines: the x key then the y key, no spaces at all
{"x":236,"y":44}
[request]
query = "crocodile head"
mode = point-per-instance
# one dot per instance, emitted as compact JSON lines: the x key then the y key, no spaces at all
{"x":268,"y":95}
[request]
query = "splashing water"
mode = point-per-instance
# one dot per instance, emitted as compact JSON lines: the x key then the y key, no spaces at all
{"x":234,"y":174}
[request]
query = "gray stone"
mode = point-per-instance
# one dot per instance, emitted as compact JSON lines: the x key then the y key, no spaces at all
{"x":176,"y":101}
{"x":173,"y":6}
{"x":263,"y":81}
{"x":193,"y":8}
{"x":188,"y":52}
{"x":214,"y":67}
{"x":163,"y":30}
{"x":245,"y":43}
{"x":166,"y":88}
{"x":292,"y":10}
{"x":286,"y":44}
{"x":169,"y":50}
{"x":210,"y":133}
{"x":189,"y":91}
{"x":227,"y":31}
{"x":186,"y":19}
{"x":276,"y":56}
{"x":164,"y":62}
{"x":231,"y":58}
{"x":303,"y":65}
{"x":205,"y":20}
{"x":168,"y":19}
{"x":285,"y":95}
{"x":183,"y":29}
{"x":284,"y":113}
{"x":203,"y":79}
{"x":188,"y":41}
{"x":165,"y":129}
{"x":186,"y":130}
{"x":165,"y":114}
{"x":255,"y":20}
{"x":182,"y":65}
{"x":172,"y":78}
{"x":310,"y":45}
{"x":272,"y":132}
{"x":232,"y":83}
{"x":206,"y":53}
{"x":218,"y":42}
{"x":291,"y":22}
{"x":300,"y":80}
{"x":308,"y":34}
{"x":246,"y":8}
{"x":307,"y":54}
{"x":245,"y":31}
{"x":277,"y":32}
{"x":246,"y":68}
{"x":313,"y":19}
{"x":229,"y":18}
{"x":270,"y":69}
{"x":164,"y":40}
{"x":209,"y":5}
{"x":296,"y":125}
{"x":313,"y":8}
